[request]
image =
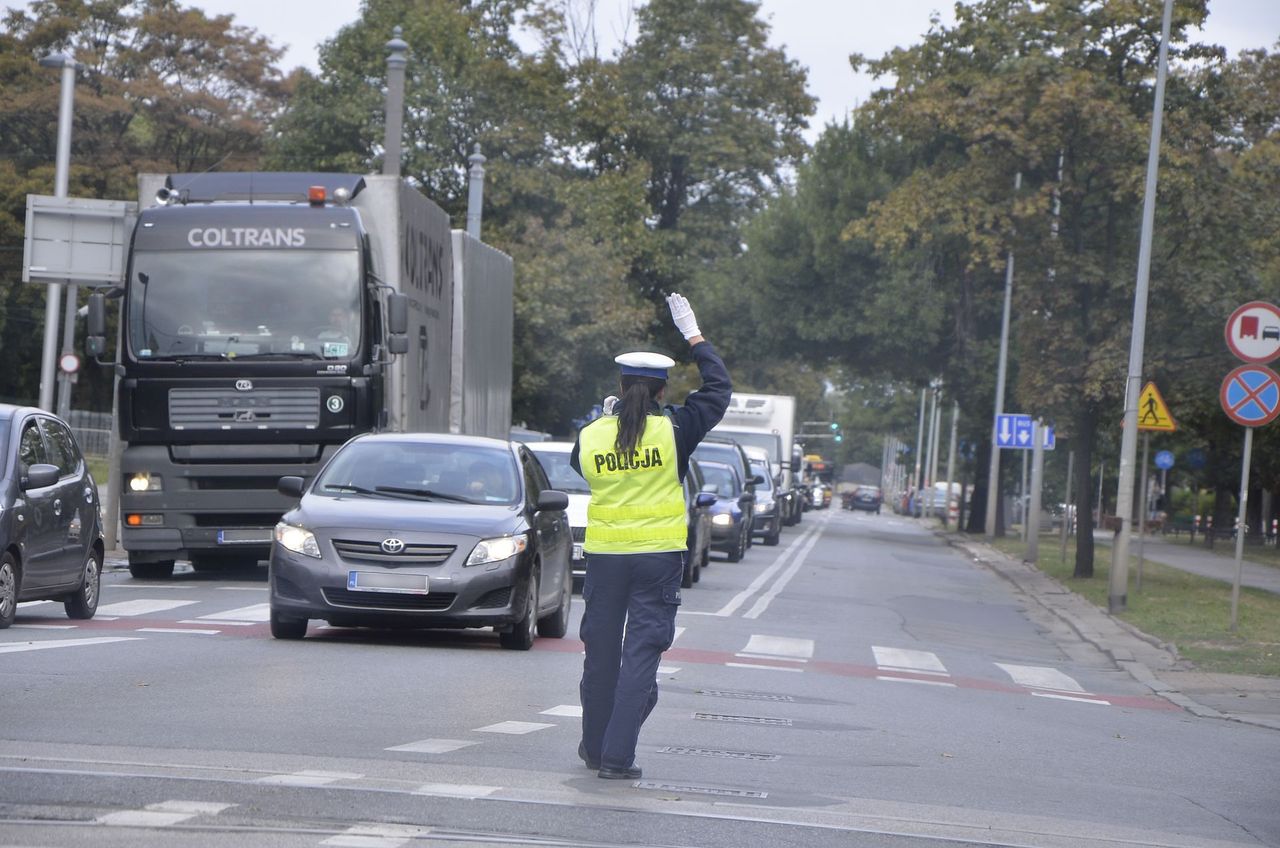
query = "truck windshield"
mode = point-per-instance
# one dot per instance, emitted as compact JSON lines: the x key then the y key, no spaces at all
{"x":237,"y":303}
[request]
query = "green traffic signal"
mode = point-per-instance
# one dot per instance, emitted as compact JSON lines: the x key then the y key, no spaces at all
{"x":835,"y":426}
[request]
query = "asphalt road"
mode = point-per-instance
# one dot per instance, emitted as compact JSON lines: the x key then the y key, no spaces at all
{"x":860,"y":684}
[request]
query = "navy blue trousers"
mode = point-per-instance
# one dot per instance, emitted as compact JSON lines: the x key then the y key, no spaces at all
{"x":630,"y":619}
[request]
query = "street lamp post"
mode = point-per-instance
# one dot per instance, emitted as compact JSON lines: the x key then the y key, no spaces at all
{"x":993,"y":471}
{"x":1118,"y":587}
{"x":61,"y":179}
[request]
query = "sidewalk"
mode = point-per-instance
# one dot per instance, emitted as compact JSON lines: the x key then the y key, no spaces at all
{"x":1218,"y":563}
{"x":1156,"y":665}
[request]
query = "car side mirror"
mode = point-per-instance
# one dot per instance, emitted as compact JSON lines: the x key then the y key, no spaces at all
{"x":291,"y":486}
{"x":757,"y":479}
{"x":705,"y":499}
{"x":550,"y":499}
{"x":40,"y":475}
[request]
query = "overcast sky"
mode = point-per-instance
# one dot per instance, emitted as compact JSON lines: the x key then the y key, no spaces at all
{"x":820,"y":34}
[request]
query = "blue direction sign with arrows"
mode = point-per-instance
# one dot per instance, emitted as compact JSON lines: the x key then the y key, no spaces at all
{"x":1014,"y":431}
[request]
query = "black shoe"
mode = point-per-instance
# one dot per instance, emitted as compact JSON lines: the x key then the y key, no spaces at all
{"x":582,"y":755}
{"x":629,"y":773}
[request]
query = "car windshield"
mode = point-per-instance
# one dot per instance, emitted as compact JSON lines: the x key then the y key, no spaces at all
{"x":561,"y":474}
{"x":240,"y":303}
{"x":720,"y":476}
{"x":425,"y":470}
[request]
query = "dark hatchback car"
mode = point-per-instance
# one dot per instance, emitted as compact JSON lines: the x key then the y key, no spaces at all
{"x":425,"y":530}
{"x":863,"y":497}
{"x":730,"y":526}
{"x":729,"y":452}
{"x":50,"y":523}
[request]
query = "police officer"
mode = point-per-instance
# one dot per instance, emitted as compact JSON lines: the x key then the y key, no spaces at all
{"x":634,"y":460}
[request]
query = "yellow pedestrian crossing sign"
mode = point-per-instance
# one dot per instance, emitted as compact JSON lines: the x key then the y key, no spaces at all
{"x":1153,"y":413}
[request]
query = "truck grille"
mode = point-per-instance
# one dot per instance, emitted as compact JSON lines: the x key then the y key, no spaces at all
{"x":257,"y":409}
{"x":579,"y":534}
{"x":389,"y":601}
{"x":357,"y":551}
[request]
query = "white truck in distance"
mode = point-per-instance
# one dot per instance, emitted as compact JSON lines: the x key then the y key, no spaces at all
{"x":769,"y":422}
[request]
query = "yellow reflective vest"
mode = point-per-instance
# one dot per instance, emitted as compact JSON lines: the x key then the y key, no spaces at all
{"x":637,"y":501}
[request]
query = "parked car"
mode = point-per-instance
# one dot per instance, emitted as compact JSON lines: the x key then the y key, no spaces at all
{"x":730,"y":524}
{"x":554,"y":457}
{"x":425,"y":530}
{"x":868,"y":498}
{"x":767,"y":521}
{"x":50,"y":520}
{"x":731,"y":453}
{"x":698,"y":506}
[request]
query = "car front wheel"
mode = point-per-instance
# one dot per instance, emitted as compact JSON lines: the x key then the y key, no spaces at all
{"x":520,"y":636}
{"x":554,"y":626}
{"x":84,"y":602}
{"x":10,"y":582}
{"x":284,"y":627}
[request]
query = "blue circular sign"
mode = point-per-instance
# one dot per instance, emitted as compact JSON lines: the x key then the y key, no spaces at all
{"x":1164,"y":460}
{"x":1196,"y":459}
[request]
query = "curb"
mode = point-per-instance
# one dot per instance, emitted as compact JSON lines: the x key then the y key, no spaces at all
{"x":1123,"y":658}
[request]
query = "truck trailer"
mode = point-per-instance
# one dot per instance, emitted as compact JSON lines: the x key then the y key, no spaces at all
{"x":769,"y":422}
{"x":266,"y":318}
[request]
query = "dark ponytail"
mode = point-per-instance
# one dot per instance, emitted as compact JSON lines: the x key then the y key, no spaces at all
{"x":638,"y":395}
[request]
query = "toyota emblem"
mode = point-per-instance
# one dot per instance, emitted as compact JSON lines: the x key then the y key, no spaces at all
{"x":244,"y":385}
{"x":392,"y":546}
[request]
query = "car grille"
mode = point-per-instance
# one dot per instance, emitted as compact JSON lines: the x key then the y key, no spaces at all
{"x":579,"y":534}
{"x":389,"y":600}
{"x":354,"y":550}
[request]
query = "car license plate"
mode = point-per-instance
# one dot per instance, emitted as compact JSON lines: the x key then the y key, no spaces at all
{"x":378,"y":581}
{"x":577,"y":551}
{"x":257,"y":535}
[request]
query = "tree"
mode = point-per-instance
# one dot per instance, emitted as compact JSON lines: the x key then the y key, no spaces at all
{"x":161,"y":87}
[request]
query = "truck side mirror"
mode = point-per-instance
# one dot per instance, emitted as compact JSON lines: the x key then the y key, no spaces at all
{"x":397,"y":314}
{"x":95,"y":343}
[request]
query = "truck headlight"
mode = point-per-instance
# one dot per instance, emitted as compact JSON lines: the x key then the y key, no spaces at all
{"x":145,"y":481}
{"x":297,"y":539}
{"x":722,"y":519}
{"x":496,"y":550}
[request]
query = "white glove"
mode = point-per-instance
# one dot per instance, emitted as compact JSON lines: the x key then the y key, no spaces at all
{"x":609,"y":404}
{"x":682,"y":315}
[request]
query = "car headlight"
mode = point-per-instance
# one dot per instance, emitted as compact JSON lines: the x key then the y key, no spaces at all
{"x":145,"y":481}
{"x":297,"y":539}
{"x":722,"y":519}
{"x":765,"y":507}
{"x":496,"y":550}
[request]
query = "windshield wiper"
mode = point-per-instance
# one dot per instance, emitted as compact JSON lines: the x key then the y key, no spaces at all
{"x":423,"y":493}
{"x":349,"y":487}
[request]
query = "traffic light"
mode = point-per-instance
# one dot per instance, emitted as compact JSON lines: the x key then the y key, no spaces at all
{"x":835,"y":428}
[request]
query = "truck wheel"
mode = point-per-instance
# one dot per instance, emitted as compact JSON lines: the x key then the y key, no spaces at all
{"x":151,"y":570}
{"x":284,"y":627}
{"x":10,"y":584}
{"x":83,"y":603}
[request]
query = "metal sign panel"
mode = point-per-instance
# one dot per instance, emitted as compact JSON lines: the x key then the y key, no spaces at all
{"x":1153,"y":412}
{"x":1014,"y":431}
{"x":76,"y":239}
{"x":1250,"y":395}
{"x":1253,"y":331}
{"x":1164,"y":460}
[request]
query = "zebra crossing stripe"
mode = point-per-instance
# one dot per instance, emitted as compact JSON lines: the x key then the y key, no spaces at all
{"x":374,"y":835}
{"x":142,"y":606}
{"x":308,"y":778}
{"x":1043,"y":678}
{"x":905,"y":659}
{"x":255,"y":612}
{"x":456,"y":790}
{"x":164,"y":814}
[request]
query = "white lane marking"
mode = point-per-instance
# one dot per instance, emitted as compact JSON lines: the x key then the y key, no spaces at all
{"x":194,"y":630}
{"x":377,"y":836}
{"x":433,"y":746}
{"x":455,"y":790}
{"x":741,"y":598}
{"x":142,"y":606}
{"x":30,"y":604}
{"x":65,"y":643}
{"x":216,"y":621}
{"x":308,"y":777}
{"x":778,"y":646}
{"x":1040,"y":677}
{"x":257,"y":612}
{"x":679,"y":630}
{"x":242,"y":589}
{"x":905,"y":659}
{"x":765,"y":667}
{"x":163,"y":814}
{"x":914,"y":680}
{"x":570,"y":710}
{"x":513,"y":727}
{"x":762,"y":603}
{"x":1071,"y":698}
{"x":44,"y":626}
{"x":667,"y":669}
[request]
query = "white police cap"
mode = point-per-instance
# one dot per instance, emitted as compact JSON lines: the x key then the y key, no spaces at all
{"x":645,"y":364}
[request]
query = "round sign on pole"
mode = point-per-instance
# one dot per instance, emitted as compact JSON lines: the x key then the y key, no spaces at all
{"x":1250,"y":395}
{"x":1164,"y":460}
{"x":69,"y":363}
{"x":1253,"y":331}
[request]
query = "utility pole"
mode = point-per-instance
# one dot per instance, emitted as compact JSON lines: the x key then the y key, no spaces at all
{"x":394,"y":132}
{"x":951,"y":467}
{"x":993,"y":473}
{"x":915,"y":480}
{"x":1118,"y":588}
{"x":61,"y":180}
